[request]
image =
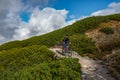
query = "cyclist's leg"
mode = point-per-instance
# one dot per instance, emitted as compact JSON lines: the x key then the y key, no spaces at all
{"x":67,"y":48}
{"x":64,"y":49}
{"x":69,"y":51}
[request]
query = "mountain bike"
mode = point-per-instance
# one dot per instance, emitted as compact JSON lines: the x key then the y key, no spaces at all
{"x":67,"y":51}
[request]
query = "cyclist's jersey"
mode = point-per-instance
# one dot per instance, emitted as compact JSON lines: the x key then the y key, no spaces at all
{"x":66,"y":41}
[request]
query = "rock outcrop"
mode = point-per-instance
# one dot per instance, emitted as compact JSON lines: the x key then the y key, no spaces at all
{"x":109,"y":45}
{"x":106,"y":41}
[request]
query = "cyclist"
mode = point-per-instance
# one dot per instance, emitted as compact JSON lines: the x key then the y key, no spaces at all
{"x":65,"y":44}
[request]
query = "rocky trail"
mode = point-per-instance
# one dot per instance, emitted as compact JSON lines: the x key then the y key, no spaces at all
{"x":91,"y":69}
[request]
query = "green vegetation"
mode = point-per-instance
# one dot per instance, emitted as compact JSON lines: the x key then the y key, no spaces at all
{"x":63,"y":69}
{"x":30,"y":59}
{"x":50,"y":39}
{"x":36,"y":63}
{"x":113,"y":63}
{"x":82,"y":44}
{"x":107,"y":30}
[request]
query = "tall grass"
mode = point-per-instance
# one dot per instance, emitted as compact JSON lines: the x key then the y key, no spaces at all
{"x":54,"y":37}
{"x":107,"y":30}
{"x":36,"y":63}
{"x":82,"y":44}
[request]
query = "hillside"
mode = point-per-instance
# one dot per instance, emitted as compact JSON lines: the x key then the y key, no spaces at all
{"x":55,"y":37}
{"x":36,"y":63}
{"x":97,"y":37}
{"x":108,"y":44}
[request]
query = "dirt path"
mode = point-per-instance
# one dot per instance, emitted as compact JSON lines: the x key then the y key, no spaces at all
{"x":91,"y":69}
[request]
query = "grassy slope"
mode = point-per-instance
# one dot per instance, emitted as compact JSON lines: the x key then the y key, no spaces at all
{"x":20,"y":59}
{"x":55,"y":37}
{"x":36,"y":63}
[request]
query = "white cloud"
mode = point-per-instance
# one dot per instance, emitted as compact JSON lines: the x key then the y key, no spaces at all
{"x":41,"y":21}
{"x":112,"y":9}
{"x":9,"y":17}
{"x":1,"y":38}
{"x":29,"y":5}
{"x":71,"y":16}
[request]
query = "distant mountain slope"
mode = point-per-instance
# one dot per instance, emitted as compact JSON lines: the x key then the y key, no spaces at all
{"x":106,"y":41}
{"x":14,"y":54}
{"x":52,"y":38}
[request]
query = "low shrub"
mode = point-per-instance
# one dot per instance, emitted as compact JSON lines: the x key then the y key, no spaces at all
{"x":107,"y":30}
{"x":82,"y":44}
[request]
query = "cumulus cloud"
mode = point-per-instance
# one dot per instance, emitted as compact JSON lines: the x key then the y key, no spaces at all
{"x":8,"y":18}
{"x":40,"y":3}
{"x":2,"y":38}
{"x":112,"y":9}
{"x":71,"y":16}
{"x":29,"y":5}
{"x":41,"y":21}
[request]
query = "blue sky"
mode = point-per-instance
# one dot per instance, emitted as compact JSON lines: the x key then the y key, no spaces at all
{"x":76,"y":8}
{"x":21,"y":19}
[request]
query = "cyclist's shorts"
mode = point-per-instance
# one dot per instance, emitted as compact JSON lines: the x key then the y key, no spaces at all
{"x":65,"y":45}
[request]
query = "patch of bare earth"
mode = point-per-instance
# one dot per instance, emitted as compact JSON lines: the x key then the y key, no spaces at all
{"x":102,"y":40}
{"x":108,"y":45}
{"x":91,"y":69}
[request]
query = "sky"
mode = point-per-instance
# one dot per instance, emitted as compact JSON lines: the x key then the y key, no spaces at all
{"x":21,"y":19}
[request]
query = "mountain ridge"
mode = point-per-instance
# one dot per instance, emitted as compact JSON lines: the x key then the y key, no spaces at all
{"x":81,"y":43}
{"x":78,"y":27}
